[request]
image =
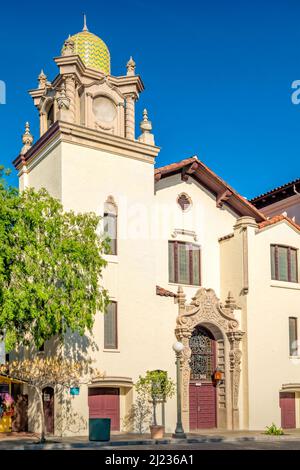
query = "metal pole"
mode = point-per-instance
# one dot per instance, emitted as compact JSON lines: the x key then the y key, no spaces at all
{"x":179,"y":431}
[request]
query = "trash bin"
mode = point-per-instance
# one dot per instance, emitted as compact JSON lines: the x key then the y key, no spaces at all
{"x":99,"y":429}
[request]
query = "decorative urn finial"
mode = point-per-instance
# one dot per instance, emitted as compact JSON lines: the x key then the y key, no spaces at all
{"x":146,"y":127}
{"x":130,"y":67}
{"x":42,"y":79}
{"x":68,"y":47}
{"x":27,"y":139}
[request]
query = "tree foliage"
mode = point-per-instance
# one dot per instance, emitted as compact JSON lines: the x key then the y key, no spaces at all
{"x":157,"y":387}
{"x":50,"y":266}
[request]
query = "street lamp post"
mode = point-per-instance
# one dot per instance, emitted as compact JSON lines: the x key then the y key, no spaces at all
{"x":179,"y":432}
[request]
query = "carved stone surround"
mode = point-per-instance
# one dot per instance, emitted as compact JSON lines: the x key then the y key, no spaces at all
{"x":206,"y":309}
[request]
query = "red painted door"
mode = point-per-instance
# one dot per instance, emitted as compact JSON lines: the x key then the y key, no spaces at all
{"x":105,"y":403}
{"x":202,"y":406}
{"x":48,"y":403}
{"x":288,"y":411}
{"x":203,"y":413}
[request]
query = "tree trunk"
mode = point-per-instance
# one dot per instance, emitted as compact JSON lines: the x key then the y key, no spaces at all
{"x":40,"y":395}
{"x":154,"y":413}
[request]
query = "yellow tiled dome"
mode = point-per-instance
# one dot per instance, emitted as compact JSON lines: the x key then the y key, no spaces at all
{"x":92,"y":50}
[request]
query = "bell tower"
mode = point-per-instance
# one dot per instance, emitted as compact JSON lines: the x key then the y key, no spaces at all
{"x":85,"y":93}
{"x":84,"y":105}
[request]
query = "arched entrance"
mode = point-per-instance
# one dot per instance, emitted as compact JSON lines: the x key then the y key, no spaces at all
{"x":202,"y":388}
{"x":48,"y":404}
{"x":211,"y":337}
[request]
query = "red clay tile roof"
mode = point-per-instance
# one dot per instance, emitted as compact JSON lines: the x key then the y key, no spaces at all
{"x":214,"y":183}
{"x":276,"y":219}
{"x":279,"y":188}
{"x":277,"y":194}
{"x":173,"y":167}
{"x":164,"y":292}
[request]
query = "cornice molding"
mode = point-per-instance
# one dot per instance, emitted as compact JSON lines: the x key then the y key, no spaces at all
{"x":80,"y":135}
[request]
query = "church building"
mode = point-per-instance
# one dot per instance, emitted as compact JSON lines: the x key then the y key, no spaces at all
{"x":191,"y":259}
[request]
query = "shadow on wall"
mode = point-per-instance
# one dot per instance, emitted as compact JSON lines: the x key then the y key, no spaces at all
{"x":66,"y":419}
{"x":79,"y":348}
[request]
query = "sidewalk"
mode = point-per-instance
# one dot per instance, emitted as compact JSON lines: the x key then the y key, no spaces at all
{"x":29,"y":441}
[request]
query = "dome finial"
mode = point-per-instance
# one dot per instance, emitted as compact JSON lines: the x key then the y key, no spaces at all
{"x":85,"y":28}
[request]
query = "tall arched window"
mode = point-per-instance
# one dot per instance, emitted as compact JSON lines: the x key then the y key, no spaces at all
{"x":110,"y":219}
{"x":202,"y":354}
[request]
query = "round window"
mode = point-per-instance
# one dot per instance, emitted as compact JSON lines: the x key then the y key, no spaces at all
{"x":104,"y":109}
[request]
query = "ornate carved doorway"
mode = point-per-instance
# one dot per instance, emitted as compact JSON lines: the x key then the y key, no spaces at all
{"x":202,"y":390}
{"x":222,"y":349}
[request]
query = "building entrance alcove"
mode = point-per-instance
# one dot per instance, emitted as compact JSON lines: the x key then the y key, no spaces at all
{"x":211,"y":337}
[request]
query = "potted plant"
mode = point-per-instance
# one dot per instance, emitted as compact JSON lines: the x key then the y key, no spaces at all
{"x":158,"y":388}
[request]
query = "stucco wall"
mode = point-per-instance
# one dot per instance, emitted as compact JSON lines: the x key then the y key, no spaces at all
{"x":46,"y":172}
{"x":88,"y":178}
{"x":207,"y":221}
{"x":270,"y":304}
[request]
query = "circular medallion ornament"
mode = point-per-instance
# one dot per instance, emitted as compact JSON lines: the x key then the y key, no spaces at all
{"x":104,"y":109}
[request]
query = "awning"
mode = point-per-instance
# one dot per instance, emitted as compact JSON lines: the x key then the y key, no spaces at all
{"x":4,"y":379}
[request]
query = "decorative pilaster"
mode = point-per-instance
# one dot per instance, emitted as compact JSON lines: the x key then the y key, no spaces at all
{"x":183,"y":335}
{"x":71,"y":94}
{"x":63,"y":105}
{"x":130,"y":118}
{"x":235,"y":358}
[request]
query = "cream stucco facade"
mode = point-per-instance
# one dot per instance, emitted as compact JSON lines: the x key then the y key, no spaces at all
{"x":85,"y":160}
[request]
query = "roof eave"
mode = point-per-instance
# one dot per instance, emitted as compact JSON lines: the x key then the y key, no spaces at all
{"x":225,"y":194}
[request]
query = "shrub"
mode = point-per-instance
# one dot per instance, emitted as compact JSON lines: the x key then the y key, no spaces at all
{"x":274,"y":430}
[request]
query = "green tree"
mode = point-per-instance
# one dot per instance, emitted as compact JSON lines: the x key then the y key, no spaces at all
{"x":157,"y":387}
{"x":50,"y":268}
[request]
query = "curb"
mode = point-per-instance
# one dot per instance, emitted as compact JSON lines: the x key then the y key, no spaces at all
{"x":149,"y":442}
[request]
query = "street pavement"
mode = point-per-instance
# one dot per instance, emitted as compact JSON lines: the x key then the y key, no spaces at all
{"x":208,"y":440}
{"x":285,"y":444}
{"x":253,"y":445}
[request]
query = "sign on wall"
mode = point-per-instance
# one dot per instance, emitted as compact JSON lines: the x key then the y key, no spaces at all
{"x":74,"y":390}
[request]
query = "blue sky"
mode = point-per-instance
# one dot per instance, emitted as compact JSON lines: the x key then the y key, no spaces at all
{"x":217,"y":74}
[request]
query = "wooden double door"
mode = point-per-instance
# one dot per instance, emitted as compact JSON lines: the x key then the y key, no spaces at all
{"x":202,"y":406}
{"x":202,"y":390}
{"x":104,"y":402}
